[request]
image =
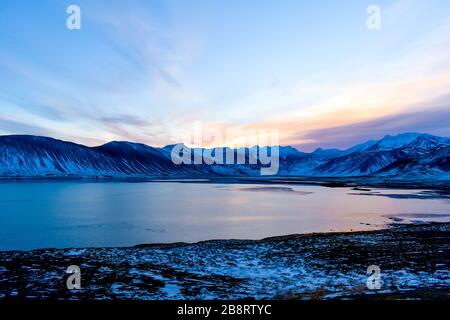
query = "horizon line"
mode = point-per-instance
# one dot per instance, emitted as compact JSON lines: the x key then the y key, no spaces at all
{"x":217,"y":147}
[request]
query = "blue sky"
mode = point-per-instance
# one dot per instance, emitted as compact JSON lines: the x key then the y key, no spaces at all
{"x":139,"y":70}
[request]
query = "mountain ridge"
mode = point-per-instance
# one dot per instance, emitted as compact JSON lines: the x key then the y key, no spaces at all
{"x":407,"y":155}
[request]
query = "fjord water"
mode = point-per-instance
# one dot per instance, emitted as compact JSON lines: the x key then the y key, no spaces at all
{"x":88,"y":214}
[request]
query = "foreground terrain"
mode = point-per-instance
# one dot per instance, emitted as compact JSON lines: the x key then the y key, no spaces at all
{"x":414,"y":262}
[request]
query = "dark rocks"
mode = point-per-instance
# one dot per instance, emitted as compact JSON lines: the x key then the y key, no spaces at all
{"x":414,"y":262}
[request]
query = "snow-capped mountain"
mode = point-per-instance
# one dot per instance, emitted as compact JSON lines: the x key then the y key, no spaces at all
{"x":359,"y":163}
{"x":40,"y":156}
{"x":395,"y":142}
{"x":409,"y":155}
{"x":360,"y":147}
{"x":404,"y":155}
{"x":327,"y":153}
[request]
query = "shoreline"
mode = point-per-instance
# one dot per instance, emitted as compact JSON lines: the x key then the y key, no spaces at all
{"x":393,"y":224}
{"x":330,"y":182}
{"x":414,"y":260}
{"x":175,"y":244}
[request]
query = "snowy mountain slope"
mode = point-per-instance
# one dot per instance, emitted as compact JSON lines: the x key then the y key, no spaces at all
{"x":410,"y":154}
{"x":327,"y":153}
{"x":398,"y":141}
{"x":435,"y":162}
{"x":360,"y":147}
{"x":40,"y":156}
{"x":359,"y":163}
{"x":137,"y":158}
{"x":403,"y":156}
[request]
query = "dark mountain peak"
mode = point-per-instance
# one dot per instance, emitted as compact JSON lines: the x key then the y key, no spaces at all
{"x":327,"y":152}
{"x":131,"y":150}
{"x":171,"y":146}
{"x":38,"y":144}
{"x":126,"y":145}
{"x":360,"y":147}
{"x":390,"y":142}
{"x":427,"y":141}
{"x":404,"y":135}
{"x":289,"y":150}
{"x":31,"y":139}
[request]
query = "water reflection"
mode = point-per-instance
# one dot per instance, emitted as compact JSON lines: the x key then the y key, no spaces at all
{"x":80,"y":214}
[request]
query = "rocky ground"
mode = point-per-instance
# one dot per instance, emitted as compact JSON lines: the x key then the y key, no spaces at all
{"x":414,"y":262}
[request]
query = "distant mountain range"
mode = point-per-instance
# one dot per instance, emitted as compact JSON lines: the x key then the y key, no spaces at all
{"x":404,"y":156}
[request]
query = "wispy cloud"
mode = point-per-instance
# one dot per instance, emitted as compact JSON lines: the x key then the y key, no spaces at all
{"x":434,"y":121}
{"x":17,"y":127}
{"x":141,"y":70}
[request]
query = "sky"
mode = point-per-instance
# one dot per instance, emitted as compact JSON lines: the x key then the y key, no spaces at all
{"x":142,"y":70}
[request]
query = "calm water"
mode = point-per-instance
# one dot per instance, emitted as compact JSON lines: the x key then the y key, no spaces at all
{"x":79,"y":214}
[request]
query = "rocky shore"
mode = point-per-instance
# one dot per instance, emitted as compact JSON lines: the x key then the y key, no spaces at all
{"x":414,"y":261}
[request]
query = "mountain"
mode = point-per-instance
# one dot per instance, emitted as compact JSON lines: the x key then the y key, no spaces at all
{"x":289,"y":151}
{"x":394,"y":142}
{"x":408,"y":155}
{"x":359,"y":163}
{"x":404,"y":155}
{"x":434,"y":162}
{"x":32,"y":156}
{"x":360,"y":147}
{"x":327,"y":153}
